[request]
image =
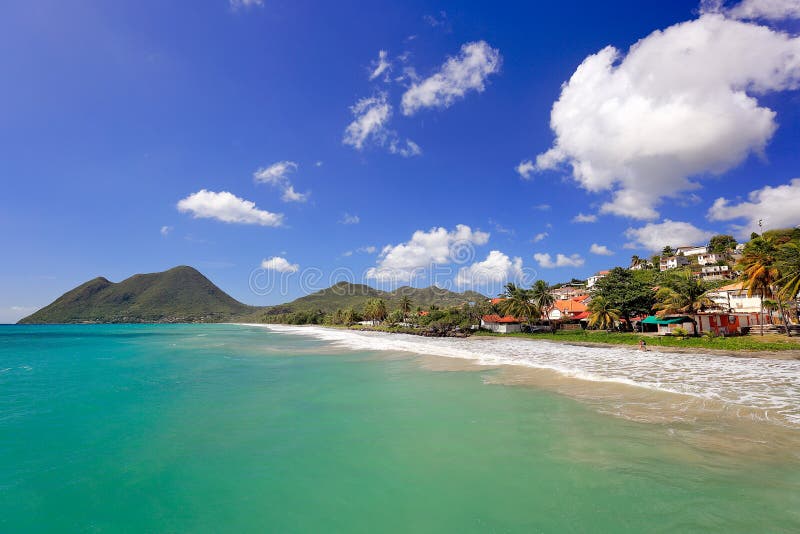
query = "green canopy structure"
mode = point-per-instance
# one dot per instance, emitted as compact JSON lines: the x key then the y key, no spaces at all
{"x":652,"y":319}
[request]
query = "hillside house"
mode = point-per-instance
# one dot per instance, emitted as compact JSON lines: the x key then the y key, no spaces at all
{"x":715,"y":272}
{"x":592,"y":280}
{"x":672,"y":262}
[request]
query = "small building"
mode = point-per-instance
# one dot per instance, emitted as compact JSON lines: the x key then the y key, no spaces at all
{"x":733,"y":298}
{"x":642,"y":265}
{"x":568,"y":292}
{"x":710,"y":258}
{"x":691,"y":251}
{"x":726,"y":324}
{"x":673,"y":262}
{"x":592,"y":280}
{"x":502,"y":325}
{"x":715,"y":272}
{"x":666,"y":325}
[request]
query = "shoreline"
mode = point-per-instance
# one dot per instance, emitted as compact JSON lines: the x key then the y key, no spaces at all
{"x":788,"y":354}
{"x":765,"y":354}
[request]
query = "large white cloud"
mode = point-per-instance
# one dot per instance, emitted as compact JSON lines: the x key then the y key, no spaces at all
{"x":546,"y":261}
{"x":778,"y":207}
{"x":758,"y":9}
{"x":656,"y":236}
{"x":227,"y":207}
{"x":496,"y":268}
{"x":277,"y":175}
{"x":426,"y":248}
{"x":466,"y":72}
{"x":681,"y":104}
{"x":279,"y":264}
{"x":370,"y":125}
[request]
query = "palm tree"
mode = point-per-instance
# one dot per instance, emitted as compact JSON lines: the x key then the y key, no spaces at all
{"x":760,"y":273}
{"x":542,"y":298}
{"x":405,"y":306}
{"x":602,"y":314}
{"x":375,"y":310}
{"x":789,"y":268}
{"x":517,"y":303}
{"x":682,"y":293}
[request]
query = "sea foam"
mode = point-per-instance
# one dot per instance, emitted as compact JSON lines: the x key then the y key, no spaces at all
{"x":755,"y":383}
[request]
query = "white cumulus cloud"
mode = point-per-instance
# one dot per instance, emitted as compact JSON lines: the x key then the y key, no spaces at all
{"x":426,"y":248}
{"x":227,"y":207}
{"x":656,"y":236}
{"x":496,"y":268}
{"x":756,"y":9}
{"x":279,"y":264}
{"x":539,"y":237}
{"x":466,"y":72}
{"x":600,"y":250}
{"x":682,"y":103}
{"x":778,"y":207}
{"x":546,"y":261}
{"x":165,"y":230}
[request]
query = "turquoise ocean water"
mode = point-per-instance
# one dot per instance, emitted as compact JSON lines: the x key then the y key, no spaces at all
{"x":227,"y":428}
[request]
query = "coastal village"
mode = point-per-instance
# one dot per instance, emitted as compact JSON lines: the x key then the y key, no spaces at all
{"x":729,"y":307}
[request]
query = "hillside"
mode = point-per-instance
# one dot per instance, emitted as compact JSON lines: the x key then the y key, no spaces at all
{"x":181,"y":294}
{"x":345,"y":295}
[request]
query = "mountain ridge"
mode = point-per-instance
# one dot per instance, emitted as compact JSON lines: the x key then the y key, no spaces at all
{"x":184,"y":295}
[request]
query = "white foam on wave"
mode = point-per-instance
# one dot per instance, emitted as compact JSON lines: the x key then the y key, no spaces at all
{"x":762,"y":384}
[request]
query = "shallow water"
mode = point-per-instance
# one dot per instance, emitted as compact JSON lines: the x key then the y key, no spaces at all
{"x":211,"y":428}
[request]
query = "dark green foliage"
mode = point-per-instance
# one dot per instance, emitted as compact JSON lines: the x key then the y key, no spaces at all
{"x":626,"y":292}
{"x":719,"y":244}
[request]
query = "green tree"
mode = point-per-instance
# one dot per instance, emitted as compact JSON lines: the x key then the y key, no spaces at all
{"x":626,"y":293}
{"x":602,"y":314}
{"x":405,"y":306}
{"x":789,"y":268}
{"x":541,"y":297}
{"x":375,"y":310}
{"x":517,"y":303}
{"x":681,"y":293}
{"x":760,"y":272}
{"x":668,"y":251}
{"x":721,"y":243}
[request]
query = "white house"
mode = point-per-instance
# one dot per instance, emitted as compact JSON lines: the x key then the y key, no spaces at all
{"x":733,"y":298}
{"x":716,"y":272}
{"x":710,"y":258}
{"x":502,"y":325}
{"x":691,"y":251}
{"x":672,"y":262}
{"x":592,"y":280}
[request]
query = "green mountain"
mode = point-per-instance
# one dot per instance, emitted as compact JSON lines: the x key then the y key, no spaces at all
{"x":183,"y":295}
{"x":180,"y":294}
{"x":345,"y":295}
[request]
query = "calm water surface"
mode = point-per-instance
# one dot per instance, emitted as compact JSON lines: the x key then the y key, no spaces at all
{"x":226,"y":428}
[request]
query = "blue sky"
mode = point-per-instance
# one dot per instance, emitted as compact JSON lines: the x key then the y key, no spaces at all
{"x":136,"y":136}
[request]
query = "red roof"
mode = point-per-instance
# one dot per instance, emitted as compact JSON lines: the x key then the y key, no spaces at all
{"x":580,"y":298}
{"x":494,"y":318}
{"x":582,"y":315}
{"x":499,"y":299}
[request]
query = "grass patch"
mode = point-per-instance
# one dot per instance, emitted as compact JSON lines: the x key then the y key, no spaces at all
{"x":742,"y":343}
